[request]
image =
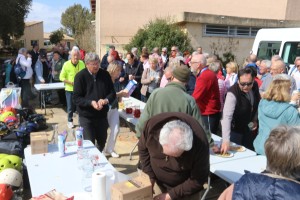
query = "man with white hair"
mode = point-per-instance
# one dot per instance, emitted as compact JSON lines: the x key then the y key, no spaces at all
{"x":164,"y":54}
{"x":264,"y":70}
{"x":67,"y":75}
{"x":174,"y":152}
{"x":277,"y":67}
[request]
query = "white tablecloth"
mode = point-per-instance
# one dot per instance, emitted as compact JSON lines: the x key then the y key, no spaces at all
{"x":50,"y":171}
{"x":49,"y":86}
{"x":236,"y":155}
{"x":233,"y":170}
{"x":129,"y":117}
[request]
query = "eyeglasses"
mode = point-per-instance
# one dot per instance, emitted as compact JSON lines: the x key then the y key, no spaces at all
{"x":246,"y":84}
{"x":173,"y":49}
{"x":169,"y":79}
{"x":93,"y":64}
{"x":191,"y":63}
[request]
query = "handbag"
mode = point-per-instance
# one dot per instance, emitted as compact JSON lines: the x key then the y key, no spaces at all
{"x":10,"y":97}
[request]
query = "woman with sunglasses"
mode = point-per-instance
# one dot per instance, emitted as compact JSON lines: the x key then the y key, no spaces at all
{"x":240,"y":111}
{"x":276,"y":108}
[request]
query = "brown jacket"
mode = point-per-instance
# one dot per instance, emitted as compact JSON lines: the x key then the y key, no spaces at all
{"x":180,"y":176}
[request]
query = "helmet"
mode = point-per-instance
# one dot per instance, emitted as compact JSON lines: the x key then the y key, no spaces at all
{"x":11,"y":177}
{"x":2,"y":155}
{"x":3,"y":128}
{"x":9,"y":108}
{"x":5,"y":164}
{"x":10,"y":121}
{"x":39,"y":120}
{"x":16,"y":161}
{"x":6,"y":192}
{"x":6,"y":114}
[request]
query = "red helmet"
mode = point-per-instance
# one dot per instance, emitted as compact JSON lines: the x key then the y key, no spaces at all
{"x":6,"y":192}
{"x":11,"y":109}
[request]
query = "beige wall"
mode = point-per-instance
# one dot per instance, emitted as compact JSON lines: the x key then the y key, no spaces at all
{"x":219,"y":45}
{"x":292,"y":10}
{"x":33,"y":32}
{"x":118,"y":20}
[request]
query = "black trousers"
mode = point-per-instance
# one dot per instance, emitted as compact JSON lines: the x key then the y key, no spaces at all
{"x":212,"y":122}
{"x":94,"y":129}
{"x":25,"y":92}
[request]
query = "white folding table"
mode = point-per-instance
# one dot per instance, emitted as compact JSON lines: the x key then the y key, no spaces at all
{"x":232,"y":171}
{"x":129,"y":117}
{"x":50,"y":171}
{"x":47,"y":86}
{"x":236,"y":155}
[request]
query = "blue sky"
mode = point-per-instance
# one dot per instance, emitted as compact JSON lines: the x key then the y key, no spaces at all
{"x":50,"y":11}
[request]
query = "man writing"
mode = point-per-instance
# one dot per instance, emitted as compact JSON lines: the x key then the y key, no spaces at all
{"x":174,"y":152}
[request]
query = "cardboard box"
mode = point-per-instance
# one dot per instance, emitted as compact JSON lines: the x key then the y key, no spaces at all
{"x":139,"y":188}
{"x":39,"y":143}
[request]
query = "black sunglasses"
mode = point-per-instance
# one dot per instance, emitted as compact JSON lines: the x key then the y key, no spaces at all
{"x":246,"y":84}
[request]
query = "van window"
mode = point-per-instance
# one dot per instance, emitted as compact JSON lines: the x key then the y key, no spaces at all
{"x":267,"y":49}
{"x":290,"y":51}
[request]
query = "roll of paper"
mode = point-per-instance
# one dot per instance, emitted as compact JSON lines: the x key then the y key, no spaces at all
{"x":98,"y":186}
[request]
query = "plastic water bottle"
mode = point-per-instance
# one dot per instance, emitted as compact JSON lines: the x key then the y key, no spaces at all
{"x":61,"y":145}
{"x":79,"y":137}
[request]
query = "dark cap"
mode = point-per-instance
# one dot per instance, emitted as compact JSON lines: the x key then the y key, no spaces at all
{"x":181,"y":73}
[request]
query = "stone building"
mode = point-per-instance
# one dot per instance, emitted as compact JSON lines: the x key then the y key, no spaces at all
{"x":217,"y":26}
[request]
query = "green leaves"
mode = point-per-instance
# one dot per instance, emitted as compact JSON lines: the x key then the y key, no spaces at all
{"x":56,"y":36}
{"x":76,"y":19}
{"x":160,"y":33}
{"x":12,"y":14}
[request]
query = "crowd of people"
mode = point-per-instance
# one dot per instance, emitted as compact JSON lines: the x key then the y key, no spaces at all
{"x":188,"y":97}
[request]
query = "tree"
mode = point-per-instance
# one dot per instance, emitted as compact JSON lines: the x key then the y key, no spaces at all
{"x":160,"y":33}
{"x":76,"y":19}
{"x":12,"y":15}
{"x":56,"y":36}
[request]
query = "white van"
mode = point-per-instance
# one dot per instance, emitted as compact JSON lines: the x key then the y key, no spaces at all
{"x":277,"y":41}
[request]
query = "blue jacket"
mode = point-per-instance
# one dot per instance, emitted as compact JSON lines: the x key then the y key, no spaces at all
{"x":258,"y":186}
{"x":270,"y":115}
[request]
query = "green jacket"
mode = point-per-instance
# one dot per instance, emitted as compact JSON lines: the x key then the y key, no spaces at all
{"x":172,"y":98}
{"x":69,"y":72}
{"x":57,"y":66}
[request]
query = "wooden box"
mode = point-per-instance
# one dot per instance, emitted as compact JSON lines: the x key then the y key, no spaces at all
{"x":39,"y":143}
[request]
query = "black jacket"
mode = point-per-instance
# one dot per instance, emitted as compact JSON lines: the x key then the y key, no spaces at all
{"x":87,"y":88}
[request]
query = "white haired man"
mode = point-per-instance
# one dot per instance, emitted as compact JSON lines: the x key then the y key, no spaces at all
{"x":67,"y":75}
{"x":174,"y":152}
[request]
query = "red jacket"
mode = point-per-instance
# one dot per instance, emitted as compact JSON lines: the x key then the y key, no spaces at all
{"x":206,"y":93}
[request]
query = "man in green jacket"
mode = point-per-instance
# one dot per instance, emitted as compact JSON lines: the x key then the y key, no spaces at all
{"x":67,"y":75}
{"x":172,"y":98}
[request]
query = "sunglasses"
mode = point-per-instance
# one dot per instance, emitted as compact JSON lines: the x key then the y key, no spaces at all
{"x":246,"y":84}
{"x":173,"y":50}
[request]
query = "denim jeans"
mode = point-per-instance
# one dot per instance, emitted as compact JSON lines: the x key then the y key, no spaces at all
{"x":70,"y":105}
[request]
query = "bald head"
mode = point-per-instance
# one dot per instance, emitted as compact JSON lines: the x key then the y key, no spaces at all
{"x":277,"y":67}
{"x":252,"y":58}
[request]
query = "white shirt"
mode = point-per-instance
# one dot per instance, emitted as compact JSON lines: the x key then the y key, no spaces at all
{"x":296,"y":76}
{"x":26,"y":65}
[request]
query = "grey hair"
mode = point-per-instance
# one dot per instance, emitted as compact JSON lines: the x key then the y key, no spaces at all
{"x":133,"y":49}
{"x":91,"y":56}
{"x":297,"y":58}
{"x":75,"y":50}
{"x":214,"y":66}
{"x":164,"y":49}
{"x":276,"y":57}
{"x":22,"y":50}
{"x":186,"y":133}
{"x":282,"y":151}
{"x":203,"y":59}
{"x":268,"y":63}
{"x":282,"y":77}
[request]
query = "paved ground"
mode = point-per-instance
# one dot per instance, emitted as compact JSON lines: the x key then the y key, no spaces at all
{"x":125,"y":142}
